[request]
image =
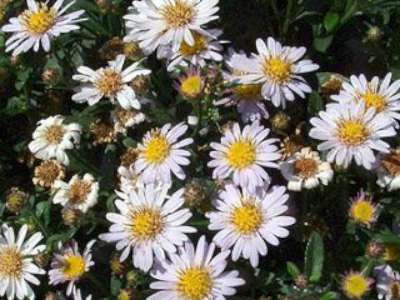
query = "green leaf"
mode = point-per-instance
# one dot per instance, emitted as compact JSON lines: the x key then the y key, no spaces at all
{"x":331,"y":21}
{"x":322,"y":44}
{"x":292,"y":269}
{"x":388,"y":237}
{"x":329,"y":296}
{"x":314,"y":257}
{"x":315,"y":103}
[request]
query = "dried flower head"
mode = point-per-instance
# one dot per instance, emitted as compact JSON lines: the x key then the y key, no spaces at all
{"x":111,"y":48}
{"x":47,"y":173}
{"x":103,"y":133}
{"x":129,"y":157}
{"x":194,"y":194}
{"x":332,"y":86}
{"x":280,"y":121}
{"x":71,"y":216}
{"x":50,"y":76}
{"x":15,"y":200}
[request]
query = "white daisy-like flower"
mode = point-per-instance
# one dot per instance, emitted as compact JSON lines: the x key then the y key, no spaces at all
{"x":351,"y":132}
{"x":39,"y":24}
{"x":77,"y":294}
{"x":110,"y":82}
{"x":205,"y":48}
{"x":168,"y":22}
{"x":150,"y":223}
{"x":247,"y":97}
{"x":69,"y":265}
{"x":279,"y":69}
{"x":388,"y":283}
{"x":160,"y":154}
{"x":388,"y":170}
{"x":17,"y":268}
{"x":244,"y":154}
{"x":78,"y":193}
{"x":248,"y":221}
{"x":52,"y":137}
{"x":383,"y":95}
{"x":195,"y":274}
{"x":128,"y":179}
{"x":305,"y":169}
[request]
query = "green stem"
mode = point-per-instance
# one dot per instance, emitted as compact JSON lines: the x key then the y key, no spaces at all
{"x":38,"y":222}
{"x":288,"y":18}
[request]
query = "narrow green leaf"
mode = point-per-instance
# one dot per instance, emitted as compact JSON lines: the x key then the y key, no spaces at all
{"x":314,"y":257}
{"x":331,"y":21}
{"x":292,"y":269}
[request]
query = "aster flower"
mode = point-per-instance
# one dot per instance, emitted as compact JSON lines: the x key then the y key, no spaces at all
{"x":149,"y":224}
{"x":110,"y":82}
{"x":363,"y":210}
{"x":243,"y":154}
{"x":355,"y":285}
{"x":17,"y":268}
{"x":69,"y":265}
{"x":205,"y":48}
{"x":39,"y":24}
{"x":128,"y":179}
{"x":388,"y":170}
{"x":278,"y":68}
{"x":78,"y":193}
{"x":160,"y":154}
{"x":388,"y":283}
{"x":247,"y":97}
{"x":168,"y":22}
{"x":351,"y":132}
{"x":248,"y":221}
{"x":383,"y":95}
{"x":52,"y":137}
{"x":306,"y":170}
{"x":191,"y":84}
{"x":195,"y":274}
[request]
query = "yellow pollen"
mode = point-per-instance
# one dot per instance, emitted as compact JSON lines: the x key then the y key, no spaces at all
{"x":241,"y":154}
{"x":374,"y":100}
{"x":363,"y":211}
{"x":78,"y":191}
{"x":355,"y":285}
{"x":178,"y":14}
{"x":191,"y":86}
{"x":74,"y":267}
{"x":195,"y":283}
{"x":157,"y":149}
{"x":306,"y":167}
{"x":247,"y":218}
{"x":200,"y":44}
{"x":352,"y":132}
{"x":41,"y":21}
{"x":54,"y":134}
{"x":11,"y":263}
{"x":109,"y":83}
{"x":277,"y":69}
{"x":394,"y":289}
{"x":248,"y":91}
{"x":146,"y":223}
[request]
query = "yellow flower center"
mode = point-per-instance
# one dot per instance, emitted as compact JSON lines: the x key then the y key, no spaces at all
{"x":374,"y":100}
{"x":248,"y":91}
{"x":355,"y":285}
{"x":109,"y":83}
{"x":241,"y":154}
{"x":352,"y":132}
{"x":247,"y":218}
{"x":192,"y":86}
{"x":41,"y":21}
{"x":78,"y":191}
{"x":394,"y":289}
{"x":392,"y":252}
{"x":54,"y":134}
{"x":200,"y":44}
{"x":363,"y":211}
{"x":11,"y":262}
{"x":146,"y":223}
{"x":277,"y":69}
{"x":74,"y":267}
{"x":157,"y":149}
{"x":178,"y":14}
{"x":195,"y":283}
{"x":306,"y":167}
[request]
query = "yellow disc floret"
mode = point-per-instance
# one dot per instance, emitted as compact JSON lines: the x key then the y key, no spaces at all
{"x":74,"y":266}
{"x":277,"y":69}
{"x":156,"y":149}
{"x":11,"y":263}
{"x":352,"y":132}
{"x":40,"y":21}
{"x":241,"y":154}
{"x":195,"y":283}
{"x":247,"y":218}
{"x":146,"y":223}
